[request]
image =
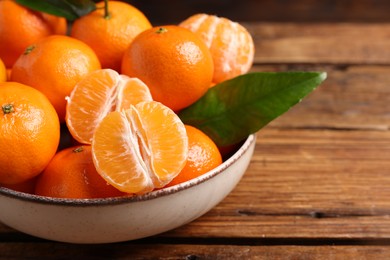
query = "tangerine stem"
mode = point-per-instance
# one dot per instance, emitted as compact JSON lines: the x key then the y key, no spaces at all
{"x":106,"y":13}
{"x":161,"y":30}
{"x":78,"y":149}
{"x":29,"y":49}
{"x":7,"y":108}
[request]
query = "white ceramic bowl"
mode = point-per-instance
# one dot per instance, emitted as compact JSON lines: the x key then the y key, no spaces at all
{"x":124,"y":218}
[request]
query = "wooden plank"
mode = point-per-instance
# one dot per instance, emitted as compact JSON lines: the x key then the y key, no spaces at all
{"x":183,"y":251}
{"x":308,"y":184}
{"x":321,"y":43}
{"x":354,"y":97}
{"x":296,"y":228}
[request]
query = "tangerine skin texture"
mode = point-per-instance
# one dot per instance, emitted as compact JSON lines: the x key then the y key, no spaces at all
{"x":20,"y":27}
{"x":110,"y":37}
{"x":72,"y":174}
{"x":173,"y":62}
{"x":54,"y":66}
{"x":29,"y":136}
{"x":203,"y":156}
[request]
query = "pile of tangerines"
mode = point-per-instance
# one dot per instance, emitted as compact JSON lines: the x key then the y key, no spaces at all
{"x":110,"y":85}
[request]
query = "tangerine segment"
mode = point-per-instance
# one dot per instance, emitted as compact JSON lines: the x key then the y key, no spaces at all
{"x":99,"y":93}
{"x":230,"y":44}
{"x":131,"y":92}
{"x":141,"y":148}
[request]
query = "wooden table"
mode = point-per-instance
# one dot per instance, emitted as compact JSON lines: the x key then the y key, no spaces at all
{"x":319,"y":182}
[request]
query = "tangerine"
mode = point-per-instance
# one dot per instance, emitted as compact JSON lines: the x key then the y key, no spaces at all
{"x":173,"y":62}
{"x":27,"y":186}
{"x":21,"y":27}
{"x":29,"y":132}
{"x":230,"y":43}
{"x":110,"y":34}
{"x":54,"y":65}
{"x":71,"y":174}
{"x":141,"y":148}
{"x":97,"y":94}
{"x":203,"y":156}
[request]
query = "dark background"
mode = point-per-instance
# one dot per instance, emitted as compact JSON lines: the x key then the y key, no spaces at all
{"x":372,"y":11}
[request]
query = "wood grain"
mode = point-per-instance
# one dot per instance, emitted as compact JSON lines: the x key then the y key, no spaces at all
{"x":187,"y":252}
{"x":321,"y":43}
{"x":308,"y":184}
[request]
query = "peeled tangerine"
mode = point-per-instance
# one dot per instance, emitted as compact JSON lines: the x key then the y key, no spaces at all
{"x":96,"y":95}
{"x":141,"y":148}
{"x":230,"y":44}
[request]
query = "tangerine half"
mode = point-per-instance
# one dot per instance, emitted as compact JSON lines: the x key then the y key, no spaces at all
{"x":97,"y":94}
{"x":141,"y":148}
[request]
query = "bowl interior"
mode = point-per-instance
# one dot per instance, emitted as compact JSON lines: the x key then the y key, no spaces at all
{"x":242,"y":148}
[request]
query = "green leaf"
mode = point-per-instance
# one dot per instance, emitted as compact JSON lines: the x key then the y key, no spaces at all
{"x":70,"y":9}
{"x":233,"y":109}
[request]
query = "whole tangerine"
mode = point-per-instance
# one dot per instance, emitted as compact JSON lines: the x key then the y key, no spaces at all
{"x":54,"y":65}
{"x":173,"y":62}
{"x":29,"y":132}
{"x":72,"y":174}
{"x":203,"y":156}
{"x":20,"y":27}
{"x":110,"y":34}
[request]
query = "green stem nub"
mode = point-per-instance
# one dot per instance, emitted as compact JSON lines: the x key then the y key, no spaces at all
{"x":161,"y":30}
{"x":106,"y":12}
{"x":78,"y":149}
{"x":7,"y":108}
{"x":29,"y":49}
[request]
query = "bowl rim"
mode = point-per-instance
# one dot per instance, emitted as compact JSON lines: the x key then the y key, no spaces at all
{"x":133,"y":198}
